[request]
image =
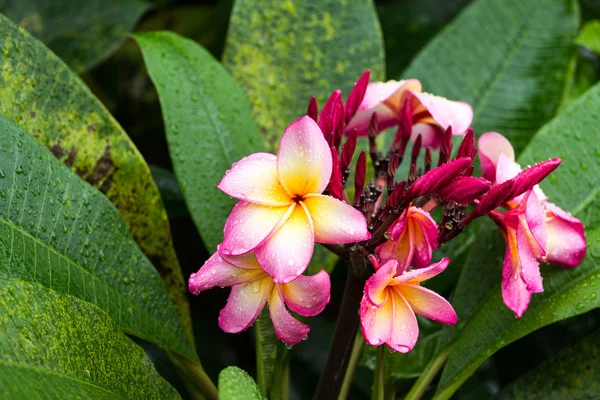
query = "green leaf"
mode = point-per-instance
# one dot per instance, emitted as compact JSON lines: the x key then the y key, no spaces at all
{"x":58,"y":231}
{"x":409,"y":365}
{"x":488,"y":324}
{"x":408,"y":25}
{"x":589,"y":37}
{"x":208,"y":122}
{"x":81,"y":33}
{"x":65,"y":348}
{"x":236,"y":384}
{"x":48,"y":100}
{"x":283,"y":52}
{"x":170,"y":192}
{"x":511,"y":60}
{"x":574,"y":374}
{"x":266,"y":350}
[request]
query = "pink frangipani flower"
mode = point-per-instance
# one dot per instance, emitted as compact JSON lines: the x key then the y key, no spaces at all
{"x":430,"y":114}
{"x":389,"y":304}
{"x":282,"y":211}
{"x":413,"y":237}
{"x":252,"y":288}
{"x":534,"y":229}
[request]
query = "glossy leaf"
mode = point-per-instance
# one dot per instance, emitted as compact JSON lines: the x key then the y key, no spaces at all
{"x":487,"y":325}
{"x":42,"y":95}
{"x":589,"y":37}
{"x":58,"y":231}
{"x":283,"y":52}
{"x":81,"y":33}
{"x":236,"y":384}
{"x":573,"y":374}
{"x":208,"y":122}
{"x":57,"y":346}
{"x":511,"y":60}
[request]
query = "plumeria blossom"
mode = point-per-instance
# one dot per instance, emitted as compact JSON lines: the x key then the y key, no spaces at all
{"x":252,"y":288}
{"x":413,"y":237}
{"x":282,"y":211}
{"x":534,"y":229}
{"x":392,"y":298}
{"x":430,"y":114}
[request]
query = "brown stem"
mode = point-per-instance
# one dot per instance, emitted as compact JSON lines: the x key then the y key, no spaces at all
{"x":337,"y":250}
{"x":346,"y":328}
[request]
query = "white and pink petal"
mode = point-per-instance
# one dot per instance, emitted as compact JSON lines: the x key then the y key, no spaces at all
{"x":244,"y":305}
{"x":307,"y":295}
{"x":428,"y":304}
{"x":287,"y":328}
{"x":334,"y":221}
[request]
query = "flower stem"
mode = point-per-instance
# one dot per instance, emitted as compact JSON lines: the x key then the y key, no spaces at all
{"x":199,"y":379}
{"x":281,"y":375}
{"x":359,"y":344}
{"x":345,"y":331}
{"x":431,"y":370}
{"x":378,"y":392}
{"x":261,"y":379}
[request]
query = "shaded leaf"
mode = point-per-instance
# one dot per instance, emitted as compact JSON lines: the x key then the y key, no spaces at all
{"x":208,"y":122}
{"x":236,"y":384}
{"x":42,"y":95}
{"x":81,"y":33}
{"x":573,"y":374}
{"x":408,"y":25}
{"x":283,"y":52}
{"x":170,"y":192}
{"x":58,"y":231}
{"x":509,"y":59}
{"x":589,"y":37}
{"x":62,"y":347}
{"x":487,"y":324}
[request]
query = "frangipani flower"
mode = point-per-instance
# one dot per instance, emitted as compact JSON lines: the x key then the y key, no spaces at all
{"x":389,"y":304}
{"x":252,"y":288}
{"x":429,"y":112}
{"x":413,"y":238}
{"x":534,"y":229}
{"x":282,"y":211}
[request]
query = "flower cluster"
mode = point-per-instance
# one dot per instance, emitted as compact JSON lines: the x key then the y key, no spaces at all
{"x":300,"y":197}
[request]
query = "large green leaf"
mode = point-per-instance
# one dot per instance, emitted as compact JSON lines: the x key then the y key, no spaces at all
{"x":208,"y":122}
{"x":488,"y":324}
{"x":573,"y":374}
{"x":60,"y":232}
{"x":236,"y":384}
{"x":510,"y":59}
{"x":57,"y":346}
{"x":408,"y":25}
{"x":81,"y":33}
{"x":41,"y":94}
{"x":283,"y":52}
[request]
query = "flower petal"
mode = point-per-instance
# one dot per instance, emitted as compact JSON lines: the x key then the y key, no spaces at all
{"x":443,"y":112}
{"x":383,"y":99}
{"x":405,"y":329}
{"x":529,"y":265}
{"x":491,"y":145}
{"x":431,"y":135}
{"x":287,"y":328}
{"x":334,"y":221}
{"x":424,"y":236}
{"x":307,"y":295}
{"x":566,"y":244}
{"x":304,"y":160}
{"x":428,"y":304}
{"x":255,"y":179}
{"x":250,"y":224}
{"x":244,"y":305}
{"x":506,"y":169}
{"x":375,"y":287}
{"x":376,"y":322}
{"x":419,"y":275}
{"x":536,"y":224}
{"x":514,"y":290}
{"x":399,"y":250}
{"x":245,"y":261}
{"x":287,"y":252}
{"x":218,"y":272}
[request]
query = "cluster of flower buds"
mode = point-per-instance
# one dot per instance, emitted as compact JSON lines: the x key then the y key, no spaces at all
{"x":300,"y":197}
